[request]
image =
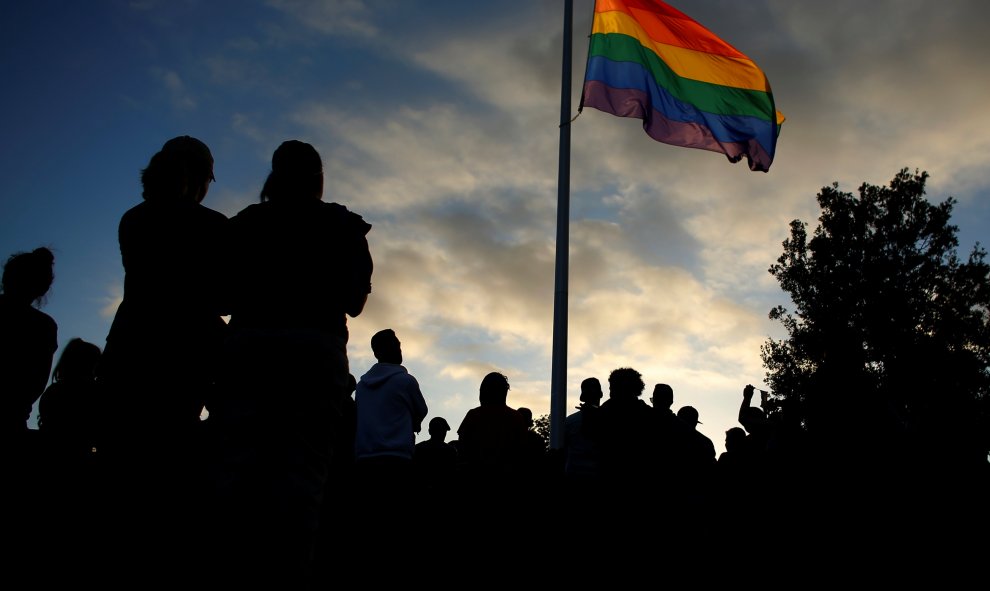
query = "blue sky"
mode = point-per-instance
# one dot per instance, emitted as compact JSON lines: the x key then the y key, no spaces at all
{"x":437,"y":121}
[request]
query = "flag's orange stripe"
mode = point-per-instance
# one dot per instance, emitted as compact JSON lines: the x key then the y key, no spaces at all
{"x":665,"y":24}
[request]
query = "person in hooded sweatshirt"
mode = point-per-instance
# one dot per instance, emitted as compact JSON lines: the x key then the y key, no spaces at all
{"x":390,"y":410}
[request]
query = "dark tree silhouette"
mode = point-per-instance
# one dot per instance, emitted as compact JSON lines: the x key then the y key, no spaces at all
{"x":889,"y":341}
{"x":541,"y":425}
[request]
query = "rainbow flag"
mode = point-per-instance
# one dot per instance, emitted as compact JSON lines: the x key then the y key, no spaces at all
{"x":648,"y":60}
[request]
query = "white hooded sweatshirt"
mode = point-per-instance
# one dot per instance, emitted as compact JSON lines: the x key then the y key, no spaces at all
{"x":390,"y":410}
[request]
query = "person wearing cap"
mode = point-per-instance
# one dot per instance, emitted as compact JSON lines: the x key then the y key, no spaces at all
{"x":157,"y":367}
{"x":670,"y":431}
{"x":297,"y":268}
{"x":697,"y":457}
{"x":435,"y":460}
{"x":165,"y":338}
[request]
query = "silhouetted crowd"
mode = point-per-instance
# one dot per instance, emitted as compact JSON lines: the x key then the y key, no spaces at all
{"x":198,"y":453}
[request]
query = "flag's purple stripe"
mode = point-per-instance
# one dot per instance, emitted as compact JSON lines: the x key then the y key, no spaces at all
{"x":628,"y":90}
{"x":725,"y":128}
{"x":630,"y":103}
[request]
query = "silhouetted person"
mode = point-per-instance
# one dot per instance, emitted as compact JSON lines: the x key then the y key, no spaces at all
{"x":662,"y":401}
{"x":159,"y":360}
{"x":754,"y":421}
{"x":390,"y":411}
{"x":342,"y":452}
{"x":70,"y":415}
{"x":435,"y":463}
{"x":335,"y":543}
{"x":28,"y":340}
{"x":71,"y":410}
{"x":490,"y":440}
{"x":297,"y":268}
{"x":731,"y":459}
{"x":670,"y":432}
{"x":581,"y":455}
{"x":158,"y":364}
{"x":623,"y":428}
{"x":698,"y":460}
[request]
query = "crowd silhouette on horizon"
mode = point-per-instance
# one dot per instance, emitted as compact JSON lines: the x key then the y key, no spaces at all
{"x":300,"y":466}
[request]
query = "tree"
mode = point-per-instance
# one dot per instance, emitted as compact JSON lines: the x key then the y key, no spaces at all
{"x":542,"y":427}
{"x":890,"y":335}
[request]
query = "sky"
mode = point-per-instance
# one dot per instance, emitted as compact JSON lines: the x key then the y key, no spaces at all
{"x":438,"y":122}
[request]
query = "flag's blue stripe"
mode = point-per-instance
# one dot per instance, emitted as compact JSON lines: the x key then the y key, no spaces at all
{"x":725,"y":128}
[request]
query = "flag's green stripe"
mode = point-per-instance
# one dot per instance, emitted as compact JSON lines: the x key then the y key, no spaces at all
{"x":711,"y":98}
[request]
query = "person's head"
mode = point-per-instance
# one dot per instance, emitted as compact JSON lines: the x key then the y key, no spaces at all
{"x":735,"y":438}
{"x":689,"y":415}
{"x":438,"y":428}
{"x":182,"y":169}
{"x":386,"y":346}
{"x":297,"y":174}
{"x":27,"y":276}
{"x":625,"y":382}
{"x":494,"y":389}
{"x":591,"y":391}
{"x":77,"y":362}
{"x":527,"y":415}
{"x":663,"y":396}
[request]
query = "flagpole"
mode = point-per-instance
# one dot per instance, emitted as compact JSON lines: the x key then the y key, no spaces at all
{"x":558,"y":375}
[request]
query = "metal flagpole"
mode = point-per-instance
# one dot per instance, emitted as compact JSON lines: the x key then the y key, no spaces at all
{"x":558,"y":376}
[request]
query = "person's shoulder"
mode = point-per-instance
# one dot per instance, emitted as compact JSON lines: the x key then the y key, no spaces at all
{"x":255,"y":209}
{"x":353,"y":221}
{"x":44,"y":322}
{"x":144,"y":206}
{"x":403,"y":376}
{"x":517,"y":417}
{"x":52,"y":392}
{"x":49,"y":322}
{"x":211,"y":214}
{"x":249,"y":218}
{"x":470,"y":416}
{"x":137,"y":212}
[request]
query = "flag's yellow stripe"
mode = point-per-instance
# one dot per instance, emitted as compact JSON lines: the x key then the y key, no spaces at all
{"x":687,"y":63}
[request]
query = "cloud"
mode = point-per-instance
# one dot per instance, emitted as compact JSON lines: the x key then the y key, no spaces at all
{"x":463,"y":200}
{"x":115,"y":295}
{"x":332,"y":17}
{"x":180,"y":97}
{"x":669,"y":247}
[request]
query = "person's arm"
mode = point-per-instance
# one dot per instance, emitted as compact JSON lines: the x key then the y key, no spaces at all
{"x":356,"y":306}
{"x":32,"y":366}
{"x":712,"y":456}
{"x":466,"y":438}
{"x":747,"y":401}
{"x":360,"y":268}
{"x":420,"y":409}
